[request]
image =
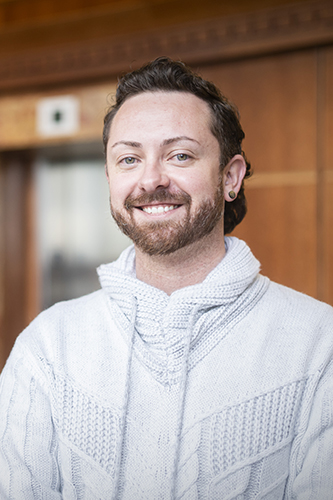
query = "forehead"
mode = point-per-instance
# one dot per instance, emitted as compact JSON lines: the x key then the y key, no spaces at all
{"x":162,"y":112}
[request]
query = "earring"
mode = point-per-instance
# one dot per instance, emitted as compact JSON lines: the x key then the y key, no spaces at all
{"x":232,"y":194}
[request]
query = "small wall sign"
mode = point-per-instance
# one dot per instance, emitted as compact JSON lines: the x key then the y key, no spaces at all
{"x":57,"y":116}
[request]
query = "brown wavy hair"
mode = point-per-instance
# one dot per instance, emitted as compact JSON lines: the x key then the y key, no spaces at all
{"x":164,"y":74}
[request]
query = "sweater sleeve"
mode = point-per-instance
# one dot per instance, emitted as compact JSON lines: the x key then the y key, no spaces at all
{"x":28,"y":448}
{"x":311,"y":460}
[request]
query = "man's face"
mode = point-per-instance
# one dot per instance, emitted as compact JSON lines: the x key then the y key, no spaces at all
{"x":163,"y":168}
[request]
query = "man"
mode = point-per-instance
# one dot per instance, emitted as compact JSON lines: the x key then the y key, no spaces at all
{"x":189,"y":375}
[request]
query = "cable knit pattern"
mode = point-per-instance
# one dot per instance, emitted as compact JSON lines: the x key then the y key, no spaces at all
{"x":85,"y":423}
{"x":222,"y":390}
{"x":258,"y":425}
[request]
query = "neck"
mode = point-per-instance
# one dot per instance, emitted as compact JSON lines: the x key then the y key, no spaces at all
{"x":188,"y":266}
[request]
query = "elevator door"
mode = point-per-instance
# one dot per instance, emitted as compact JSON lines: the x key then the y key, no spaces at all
{"x":75,"y":231}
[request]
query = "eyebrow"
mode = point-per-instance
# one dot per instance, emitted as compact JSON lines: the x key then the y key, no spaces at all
{"x":128,"y":143}
{"x":166,"y":142}
{"x":178,"y":139}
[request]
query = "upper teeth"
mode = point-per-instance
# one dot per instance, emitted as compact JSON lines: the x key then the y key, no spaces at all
{"x":158,"y":210}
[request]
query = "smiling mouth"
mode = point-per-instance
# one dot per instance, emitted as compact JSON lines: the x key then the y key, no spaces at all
{"x":158,"y":203}
{"x":158,"y":209}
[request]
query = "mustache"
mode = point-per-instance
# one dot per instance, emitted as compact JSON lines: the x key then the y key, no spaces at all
{"x":163,"y":196}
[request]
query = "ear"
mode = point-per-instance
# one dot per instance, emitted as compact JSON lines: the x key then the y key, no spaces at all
{"x":233,"y":175}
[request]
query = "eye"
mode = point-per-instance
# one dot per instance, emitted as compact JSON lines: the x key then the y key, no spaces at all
{"x":182,"y":156}
{"x":129,"y":160}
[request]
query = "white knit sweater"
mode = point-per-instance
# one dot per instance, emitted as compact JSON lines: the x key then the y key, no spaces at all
{"x":223,"y":390}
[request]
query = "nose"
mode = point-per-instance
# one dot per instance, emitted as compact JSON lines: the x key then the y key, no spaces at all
{"x":153,"y":176}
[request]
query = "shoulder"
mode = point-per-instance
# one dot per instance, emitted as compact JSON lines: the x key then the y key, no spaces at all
{"x":73,"y":348}
{"x":69,"y":326}
{"x":70,"y":315}
{"x":296,"y":304}
{"x":296,"y":324}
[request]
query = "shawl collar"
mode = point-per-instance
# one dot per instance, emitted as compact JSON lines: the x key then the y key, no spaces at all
{"x":162,"y":322}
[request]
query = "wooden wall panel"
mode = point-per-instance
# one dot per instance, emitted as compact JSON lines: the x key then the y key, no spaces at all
{"x":2,"y":268}
{"x":325,"y":182}
{"x":277,"y":99}
{"x":13,"y":313}
{"x":280,"y":228}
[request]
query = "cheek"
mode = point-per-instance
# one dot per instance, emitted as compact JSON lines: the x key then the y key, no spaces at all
{"x":119,"y":190}
{"x":189,"y":182}
{"x":202,"y":181}
{"x":203,"y":187}
{"x":115,"y":191}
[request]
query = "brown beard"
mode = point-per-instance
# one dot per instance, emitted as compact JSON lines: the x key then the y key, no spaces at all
{"x":166,"y":237}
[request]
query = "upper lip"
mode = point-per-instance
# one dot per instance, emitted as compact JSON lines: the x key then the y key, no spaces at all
{"x":159,"y":199}
{"x":158,"y":204}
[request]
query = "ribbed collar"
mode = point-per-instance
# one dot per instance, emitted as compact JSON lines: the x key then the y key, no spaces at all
{"x":162,"y":322}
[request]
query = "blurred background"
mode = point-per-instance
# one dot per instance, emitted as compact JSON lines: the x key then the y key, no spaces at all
{"x":59,"y":64}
